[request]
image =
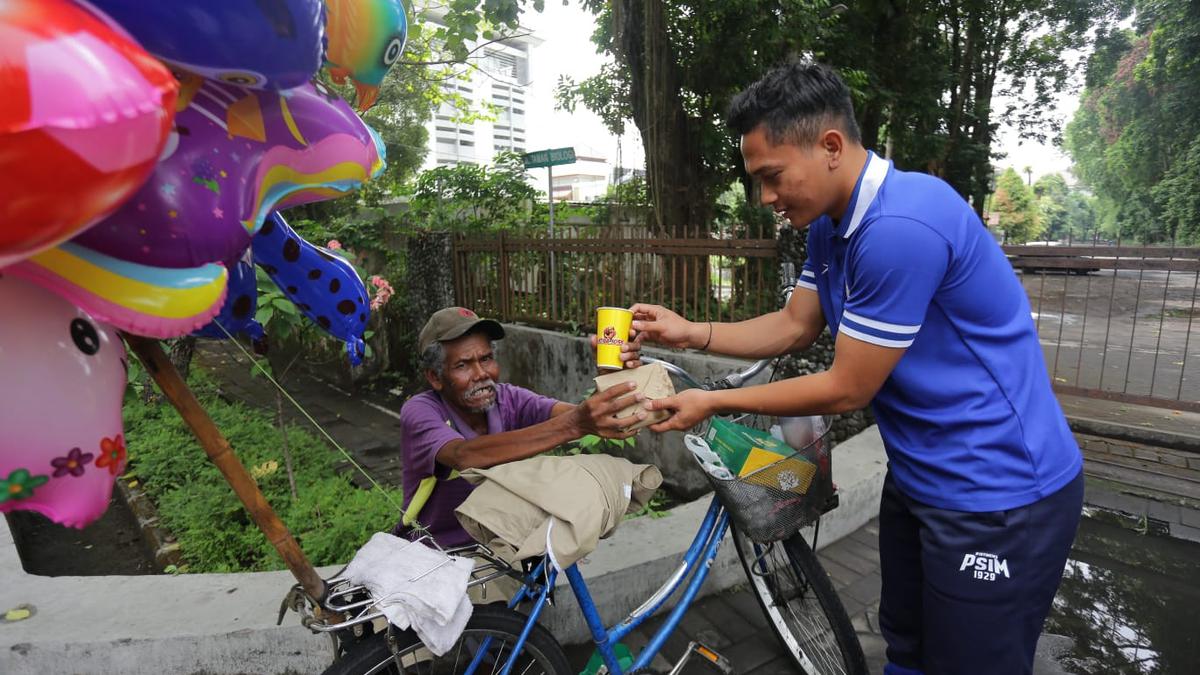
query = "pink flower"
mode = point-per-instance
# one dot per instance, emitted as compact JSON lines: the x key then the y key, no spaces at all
{"x":383,"y":291}
{"x":334,"y":245}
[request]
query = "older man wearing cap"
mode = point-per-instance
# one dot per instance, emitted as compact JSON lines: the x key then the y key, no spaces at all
{"x":470,"y":420}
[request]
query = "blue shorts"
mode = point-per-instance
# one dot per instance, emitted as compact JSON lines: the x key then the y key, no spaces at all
{"x":968,"y":592}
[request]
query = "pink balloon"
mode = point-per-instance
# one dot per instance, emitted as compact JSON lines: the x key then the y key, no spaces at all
{"x":60,"y":408}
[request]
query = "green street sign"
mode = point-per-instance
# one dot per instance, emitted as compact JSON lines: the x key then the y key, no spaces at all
{"x":543,"y":158}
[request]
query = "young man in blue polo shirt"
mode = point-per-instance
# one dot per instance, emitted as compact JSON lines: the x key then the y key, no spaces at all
{"x":933,"y":330}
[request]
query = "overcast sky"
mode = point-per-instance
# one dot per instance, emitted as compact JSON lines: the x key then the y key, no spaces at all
{"x":568,"y":50}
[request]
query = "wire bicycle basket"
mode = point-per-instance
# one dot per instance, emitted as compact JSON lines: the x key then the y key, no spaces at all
{"x":771,"y":499}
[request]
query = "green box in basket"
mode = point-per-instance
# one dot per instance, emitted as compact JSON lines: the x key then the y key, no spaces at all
{"x":745,"y":450}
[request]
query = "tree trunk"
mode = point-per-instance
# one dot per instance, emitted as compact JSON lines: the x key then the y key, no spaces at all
{"x":678,"y":191}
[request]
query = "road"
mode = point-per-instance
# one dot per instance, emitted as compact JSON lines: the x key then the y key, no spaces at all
{"x":1132,"y":331}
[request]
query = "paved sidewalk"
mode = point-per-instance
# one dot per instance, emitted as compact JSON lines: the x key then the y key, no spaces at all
{"x":733,"y":624}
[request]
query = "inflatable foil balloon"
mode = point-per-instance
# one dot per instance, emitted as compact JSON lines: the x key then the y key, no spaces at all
{"x":323,"y":286}
{"x":273,"y":44}
{"x":63,"y":441}
{"x":241,"y":304}
{"x":366,"y":38}
{"x":234,"y":156}
{"x":84,"y":115}
{"x":152,"y":301}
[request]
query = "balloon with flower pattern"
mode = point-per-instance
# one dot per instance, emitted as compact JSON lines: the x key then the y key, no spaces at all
{"x":63,"y":442}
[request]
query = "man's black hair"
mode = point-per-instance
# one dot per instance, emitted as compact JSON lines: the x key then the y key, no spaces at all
{"x":794,"y":103}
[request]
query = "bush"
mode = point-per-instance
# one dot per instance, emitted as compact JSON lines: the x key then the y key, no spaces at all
{"x":330,"y":517}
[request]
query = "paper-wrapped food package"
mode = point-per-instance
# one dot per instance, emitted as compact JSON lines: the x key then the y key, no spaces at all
{"x":652,"y":381}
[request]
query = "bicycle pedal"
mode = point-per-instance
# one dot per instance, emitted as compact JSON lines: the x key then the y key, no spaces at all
{"x":711,"y":656}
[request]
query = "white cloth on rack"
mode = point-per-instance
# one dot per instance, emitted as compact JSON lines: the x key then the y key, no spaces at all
{"x":415,"y":585}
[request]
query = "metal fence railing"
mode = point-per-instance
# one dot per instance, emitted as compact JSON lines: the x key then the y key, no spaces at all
{"x":560,"y":282}
{"x":1117,"y":322}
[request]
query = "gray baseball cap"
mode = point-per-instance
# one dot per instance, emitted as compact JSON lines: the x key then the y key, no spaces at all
{"x":452,"y":323}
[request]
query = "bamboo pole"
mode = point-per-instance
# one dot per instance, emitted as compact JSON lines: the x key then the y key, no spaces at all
{"x":221,"y":454}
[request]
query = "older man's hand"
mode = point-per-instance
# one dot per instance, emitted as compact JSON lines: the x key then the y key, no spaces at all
{"x":596,"y":414}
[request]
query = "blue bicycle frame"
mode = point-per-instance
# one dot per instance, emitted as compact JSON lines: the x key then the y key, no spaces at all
{"x":693,"y":569}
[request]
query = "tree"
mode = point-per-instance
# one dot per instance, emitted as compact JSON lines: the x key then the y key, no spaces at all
{"x":1015,"y":203}
{"x":673,"y":75}
{"x":470,"y":197}
{"x":1065,"y":213}
{"x":928,"y":75}
{"x":923,"y":74}
{"x":1051,"y":194}
{"x":1136,"y":135}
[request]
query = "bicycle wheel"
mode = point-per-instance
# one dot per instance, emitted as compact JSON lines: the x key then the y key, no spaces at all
{"x":801,"y":605}
{"x":541,"y":655}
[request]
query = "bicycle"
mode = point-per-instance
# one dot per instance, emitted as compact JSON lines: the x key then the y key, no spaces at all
{"x":791,"y":587}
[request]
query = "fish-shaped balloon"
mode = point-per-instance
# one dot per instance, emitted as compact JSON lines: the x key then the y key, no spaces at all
{"x":158,"y":302}
{"x":366,"y":38}
{"x":264,"y":44}
{"x":323,"y":286}
{"x":234,"y":156}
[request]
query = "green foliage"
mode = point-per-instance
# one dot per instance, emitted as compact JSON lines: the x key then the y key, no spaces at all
{"x":628,"y":198}
{"x":467,"y":197}
{"x":1015,"y":202}
{"x":1066,"y":214}
{"x":1136,"y":134}
{"x":330,"y":518}
{"x":655,"y":508}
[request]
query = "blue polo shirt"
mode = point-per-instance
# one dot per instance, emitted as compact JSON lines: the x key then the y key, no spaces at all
{"x":968,"y":417}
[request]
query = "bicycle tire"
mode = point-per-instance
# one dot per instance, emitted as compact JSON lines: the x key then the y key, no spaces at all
{"x":801,"y":605}
{"x":372,"y":656}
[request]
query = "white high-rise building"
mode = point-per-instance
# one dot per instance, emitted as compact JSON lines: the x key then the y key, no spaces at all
{"x":500,"y":80}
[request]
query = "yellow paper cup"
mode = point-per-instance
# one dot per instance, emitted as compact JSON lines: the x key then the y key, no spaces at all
{"x":612,"y":331}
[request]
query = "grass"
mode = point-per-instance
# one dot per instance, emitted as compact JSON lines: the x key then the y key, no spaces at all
{"x":329,"y":516}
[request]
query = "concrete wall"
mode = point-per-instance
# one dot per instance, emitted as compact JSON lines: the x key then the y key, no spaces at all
{"x":563,"y":366}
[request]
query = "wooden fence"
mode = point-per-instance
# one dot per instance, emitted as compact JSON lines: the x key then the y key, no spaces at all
{"x":559,"y":283}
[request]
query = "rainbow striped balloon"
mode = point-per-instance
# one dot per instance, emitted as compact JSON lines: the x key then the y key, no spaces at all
{"x":156,"y":302}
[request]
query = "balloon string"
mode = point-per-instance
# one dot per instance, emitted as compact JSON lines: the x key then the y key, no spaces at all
{"x":374,"y":483}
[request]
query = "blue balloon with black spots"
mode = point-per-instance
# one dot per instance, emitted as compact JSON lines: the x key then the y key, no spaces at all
{"x":241,"y":304}
{"x":323,"y":286}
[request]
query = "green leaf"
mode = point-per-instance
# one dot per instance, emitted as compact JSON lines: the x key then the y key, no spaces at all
{"x":286,"y":306}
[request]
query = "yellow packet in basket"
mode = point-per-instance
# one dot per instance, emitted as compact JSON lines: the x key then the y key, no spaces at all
{"x":745,"y":451}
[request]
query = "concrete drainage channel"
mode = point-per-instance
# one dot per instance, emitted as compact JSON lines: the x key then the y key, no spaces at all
{"x":225,"y":623}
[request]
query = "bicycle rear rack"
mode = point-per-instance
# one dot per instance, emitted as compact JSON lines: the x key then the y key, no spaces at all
{"x":343,"y":599}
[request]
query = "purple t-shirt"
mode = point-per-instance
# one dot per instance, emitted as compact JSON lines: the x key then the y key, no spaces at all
{"x":427,"y":423}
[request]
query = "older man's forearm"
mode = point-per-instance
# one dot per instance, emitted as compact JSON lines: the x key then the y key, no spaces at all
{"x":489,"y":450}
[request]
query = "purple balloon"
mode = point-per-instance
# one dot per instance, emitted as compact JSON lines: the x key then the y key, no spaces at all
{"x":234,"y":156}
